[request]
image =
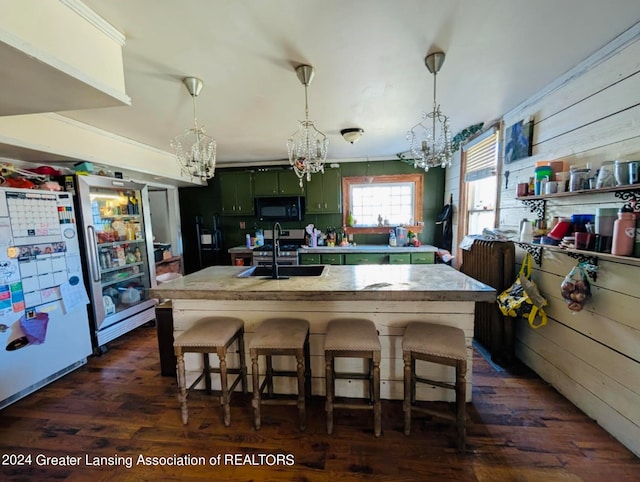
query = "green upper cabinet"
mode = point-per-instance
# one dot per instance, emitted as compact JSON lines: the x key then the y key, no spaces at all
{"x":236,"y":189}
{"x":324,"y":193}
{"x":277,"y":183}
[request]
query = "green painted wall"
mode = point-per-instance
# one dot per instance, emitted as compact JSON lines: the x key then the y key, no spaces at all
{"x":205,"y":202}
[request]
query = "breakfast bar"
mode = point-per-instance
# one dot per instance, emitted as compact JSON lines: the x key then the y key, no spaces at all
{"x":389,"y":295}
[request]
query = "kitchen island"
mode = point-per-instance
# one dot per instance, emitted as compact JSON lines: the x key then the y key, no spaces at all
{"x":389,"y":295}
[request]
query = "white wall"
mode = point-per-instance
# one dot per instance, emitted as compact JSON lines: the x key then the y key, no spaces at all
{"x":165,"y":216}
{"x":590,"y":115}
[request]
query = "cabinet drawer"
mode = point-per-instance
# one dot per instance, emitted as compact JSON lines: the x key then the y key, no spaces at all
{"x":422,"y":258}
{"x":400,"y":258}
{"x":308,"y":258}
{"x":334,"y":258}
{"x":365,"y":258}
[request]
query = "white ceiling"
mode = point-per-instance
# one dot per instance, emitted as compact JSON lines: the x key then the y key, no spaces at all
{"x":369,"y":61}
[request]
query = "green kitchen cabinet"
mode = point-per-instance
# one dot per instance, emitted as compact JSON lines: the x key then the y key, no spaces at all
{"x":309,"y":258}
{"x":422,"y":258}
{"x":366,"y":258}
{"x":236,"y":189}
{"x":331,"y":258}
{"x":400,"y":258}
{"x":324,"y":193}
{"x":277,"y":183}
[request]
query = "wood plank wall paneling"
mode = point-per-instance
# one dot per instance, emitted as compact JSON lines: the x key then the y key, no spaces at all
{"x":592,"y":357}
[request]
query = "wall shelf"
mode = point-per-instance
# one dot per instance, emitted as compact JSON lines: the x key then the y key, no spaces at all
{"x":590,"y":257}
{"x":629,"y":193}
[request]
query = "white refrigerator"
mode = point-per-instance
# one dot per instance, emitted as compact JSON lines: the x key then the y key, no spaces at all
{"x":118,"y":255}
{"x":44,"y":330}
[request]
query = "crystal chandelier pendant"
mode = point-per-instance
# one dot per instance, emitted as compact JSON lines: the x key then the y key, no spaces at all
{"x":195,"y":150}
{"x":430,"y":139}
{"x":307,"y":147}
{"x":196,"y":153}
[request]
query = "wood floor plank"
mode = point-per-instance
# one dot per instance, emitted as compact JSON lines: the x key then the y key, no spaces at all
{"x":119,"y":407}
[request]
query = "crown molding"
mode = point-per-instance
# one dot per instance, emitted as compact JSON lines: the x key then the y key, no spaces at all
{"x":96,"y":20}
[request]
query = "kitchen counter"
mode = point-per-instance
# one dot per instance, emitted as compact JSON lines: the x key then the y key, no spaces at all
{"x":368,"y":248}
{"x":389,"y":295}
{"x":240,"y":249}
{"x":363,"y":282}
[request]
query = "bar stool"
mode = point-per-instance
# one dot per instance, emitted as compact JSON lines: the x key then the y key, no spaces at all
{"x":444,"y":345}
{"x":281,"y":336}
{"x":353,"y":338}
{"x":209,"y":335}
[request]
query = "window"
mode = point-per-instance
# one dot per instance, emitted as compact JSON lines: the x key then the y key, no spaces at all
{"x":480,"y":164}
{"x":482,"y":195}
{"x":394,"y":199}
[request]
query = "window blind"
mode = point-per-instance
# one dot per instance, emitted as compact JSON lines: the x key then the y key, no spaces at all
{"x":481,"y":156}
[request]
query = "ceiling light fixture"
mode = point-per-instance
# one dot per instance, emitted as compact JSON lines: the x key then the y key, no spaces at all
{"x":195,"y":150}
{"x":307,"y":146}
{"x":430,"y":139}
{"x":352,"y":134}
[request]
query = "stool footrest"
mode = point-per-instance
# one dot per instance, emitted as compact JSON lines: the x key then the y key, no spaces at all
{"x":357,"y":376}
{"x":279,"y":401}
{"x":434,"y":412}
{"x":354,"y":405}
{"x":436,"y":383}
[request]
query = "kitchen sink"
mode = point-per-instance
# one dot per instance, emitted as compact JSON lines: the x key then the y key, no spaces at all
{"x":284,"y":271}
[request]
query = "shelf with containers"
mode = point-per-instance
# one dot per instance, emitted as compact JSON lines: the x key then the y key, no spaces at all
{"x":628,"y":193}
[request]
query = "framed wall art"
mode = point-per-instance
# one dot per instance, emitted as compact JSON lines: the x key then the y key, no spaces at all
{"x":518,"y":140}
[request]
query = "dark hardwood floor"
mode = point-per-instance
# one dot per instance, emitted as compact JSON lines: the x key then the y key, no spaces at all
{"x":118,"y":409}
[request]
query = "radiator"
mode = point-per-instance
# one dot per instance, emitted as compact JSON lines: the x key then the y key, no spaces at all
{"x":493,"y":263}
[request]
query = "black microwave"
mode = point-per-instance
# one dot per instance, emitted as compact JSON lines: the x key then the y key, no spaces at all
{"x":284,"y":208}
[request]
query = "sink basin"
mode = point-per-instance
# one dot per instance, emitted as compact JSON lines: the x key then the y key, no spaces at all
{"x":284,"y":271}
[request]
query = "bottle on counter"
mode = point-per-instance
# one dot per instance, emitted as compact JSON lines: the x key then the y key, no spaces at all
{"x":248,"y":239}
{"x":392,"y":238}
{"x":623,"y":232}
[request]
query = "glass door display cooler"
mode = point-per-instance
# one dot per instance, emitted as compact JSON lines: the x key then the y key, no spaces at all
{"x":118,"y":254}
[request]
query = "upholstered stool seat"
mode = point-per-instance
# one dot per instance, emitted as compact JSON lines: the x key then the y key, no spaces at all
{"x":212,"y":335}
{"x":444,"y":345}
{"x":353,"y":338}
{"x":281,"y":336}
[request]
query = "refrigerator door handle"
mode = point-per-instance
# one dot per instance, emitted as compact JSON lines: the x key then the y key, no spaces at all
{"x":94,"y":263}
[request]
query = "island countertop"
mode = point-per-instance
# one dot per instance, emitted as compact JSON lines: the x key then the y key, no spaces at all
{"x":437,"y":282}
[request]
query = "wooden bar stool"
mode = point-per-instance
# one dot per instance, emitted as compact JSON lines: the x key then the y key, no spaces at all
{"x":353,"y":338}
{"x":281,"y":336}
{"x":444,"y":345}
{"x":209,"y":335}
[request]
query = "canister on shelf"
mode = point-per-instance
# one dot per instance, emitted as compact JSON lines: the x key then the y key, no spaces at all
{"x":621,"y":172}
{"x":605,"y":217}
{"x":634,"y":172}
{"x":605,"y":176}
{"x":578,"y":179}
{"x":636,"y":244}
